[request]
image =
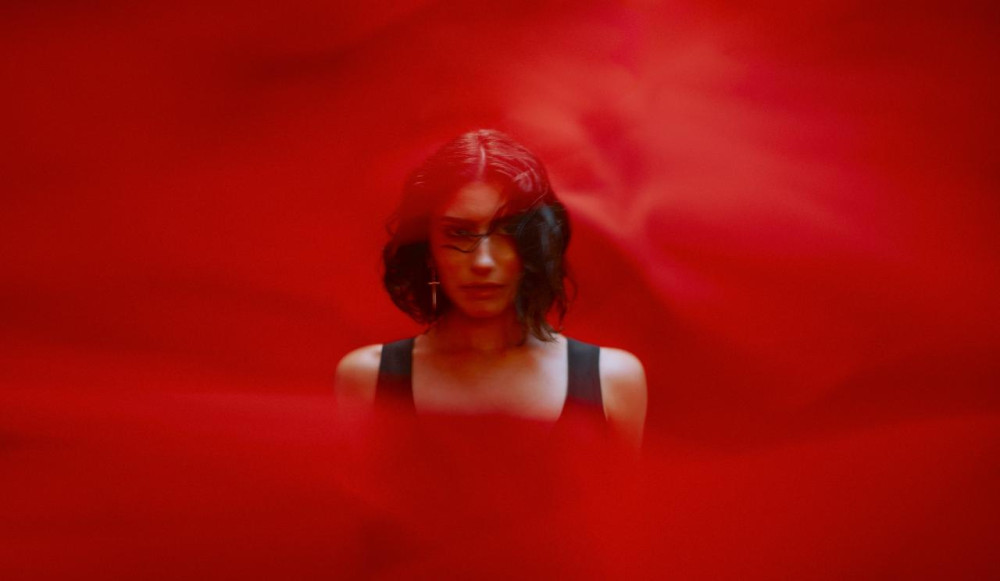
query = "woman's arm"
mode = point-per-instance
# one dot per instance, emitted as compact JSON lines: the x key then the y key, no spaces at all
{"x":623,"y":389}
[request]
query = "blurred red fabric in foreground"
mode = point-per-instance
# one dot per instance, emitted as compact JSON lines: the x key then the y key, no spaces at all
{"x":788,"y":213}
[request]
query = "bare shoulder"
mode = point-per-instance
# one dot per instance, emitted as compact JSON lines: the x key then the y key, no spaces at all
{"x":620,"y":364}
{"x":357,"y":373}
{"x":623,"y":389}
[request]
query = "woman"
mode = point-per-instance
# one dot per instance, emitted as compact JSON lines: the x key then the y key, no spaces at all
{"x":477,"y":253}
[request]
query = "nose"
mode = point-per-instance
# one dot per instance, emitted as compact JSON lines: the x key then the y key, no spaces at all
{"x":482,"y":257}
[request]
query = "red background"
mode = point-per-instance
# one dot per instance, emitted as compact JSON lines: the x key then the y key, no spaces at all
{"x":788,"y":212}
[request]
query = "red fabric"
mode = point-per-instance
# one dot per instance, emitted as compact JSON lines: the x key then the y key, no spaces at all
{"x":787,"y":212}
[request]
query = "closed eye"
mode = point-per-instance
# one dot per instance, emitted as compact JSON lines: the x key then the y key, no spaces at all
{"x":459,"y":233}
{"x":508,"y":228}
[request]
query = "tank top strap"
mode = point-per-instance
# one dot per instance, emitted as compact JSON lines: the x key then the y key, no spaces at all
{"x":584,"y":374}
{"x":395,"y":373}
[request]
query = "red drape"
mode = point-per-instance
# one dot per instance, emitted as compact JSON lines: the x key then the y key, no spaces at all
{"x":788,"y":212}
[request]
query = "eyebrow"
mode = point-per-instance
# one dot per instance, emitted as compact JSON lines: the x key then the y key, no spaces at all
{"x":456,"y":220}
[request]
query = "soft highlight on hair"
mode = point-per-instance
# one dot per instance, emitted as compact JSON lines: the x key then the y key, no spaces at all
{"x":541,"y":236}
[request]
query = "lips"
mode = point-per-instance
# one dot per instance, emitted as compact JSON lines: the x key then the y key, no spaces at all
{"x":481,"y":290}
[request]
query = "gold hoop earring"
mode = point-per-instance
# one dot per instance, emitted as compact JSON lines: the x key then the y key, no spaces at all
{"x":434,"y":283}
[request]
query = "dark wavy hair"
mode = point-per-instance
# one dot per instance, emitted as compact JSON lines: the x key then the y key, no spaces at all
{"x":541,"y":230}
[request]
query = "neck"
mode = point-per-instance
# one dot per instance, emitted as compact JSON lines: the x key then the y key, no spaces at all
{"x":456,"y":332}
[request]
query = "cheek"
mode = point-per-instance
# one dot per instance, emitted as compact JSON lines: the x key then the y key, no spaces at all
{"x":508,"y":257}
{"x":447,"y":262}
{"x":438,"y":254}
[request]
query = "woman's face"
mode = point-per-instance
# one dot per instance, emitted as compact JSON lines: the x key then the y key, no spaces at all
{"x":474,"y":251}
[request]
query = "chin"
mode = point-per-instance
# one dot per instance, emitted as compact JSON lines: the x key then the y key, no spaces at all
{"x":485,"y":311}
{"x":482,"y":313}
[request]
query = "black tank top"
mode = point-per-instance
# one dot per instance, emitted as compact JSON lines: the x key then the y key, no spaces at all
{"x":395,"y":372}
